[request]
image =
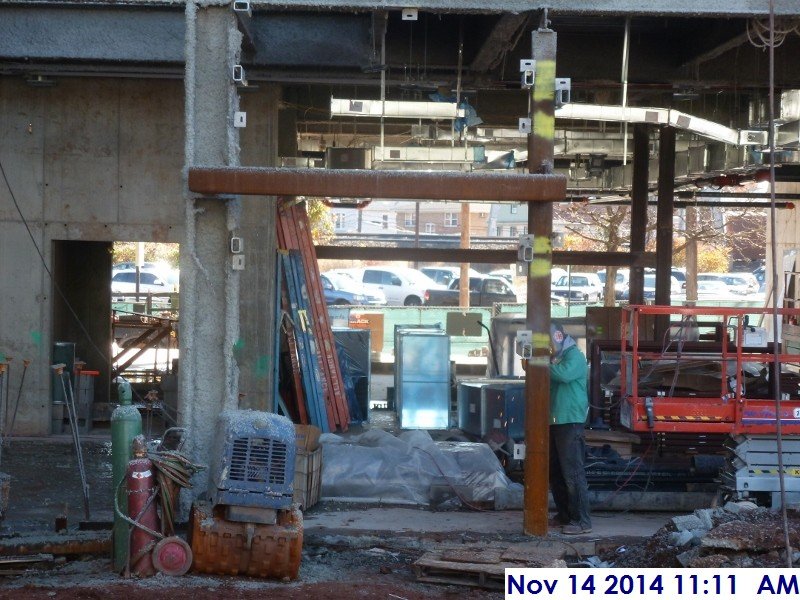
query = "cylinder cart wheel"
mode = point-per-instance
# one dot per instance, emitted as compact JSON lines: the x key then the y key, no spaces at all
{"x":172,"y":556}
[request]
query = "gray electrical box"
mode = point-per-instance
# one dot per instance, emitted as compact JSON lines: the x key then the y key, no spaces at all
{"x":348,"y":158}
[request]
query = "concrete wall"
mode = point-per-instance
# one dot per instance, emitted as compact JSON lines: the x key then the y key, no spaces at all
{"x":95,"y":159}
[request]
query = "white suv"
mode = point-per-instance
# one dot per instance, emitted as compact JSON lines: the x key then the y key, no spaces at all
{"x":583,"y":287}
{"x":402,"y":286}
{"x":123,"y":284}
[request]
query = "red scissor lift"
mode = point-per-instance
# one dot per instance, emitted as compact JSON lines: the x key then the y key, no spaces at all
{"x":728,"y":410}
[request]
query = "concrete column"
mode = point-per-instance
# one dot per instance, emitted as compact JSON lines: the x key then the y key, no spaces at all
{"x":209,"y":328}
{"x":255,"y":347}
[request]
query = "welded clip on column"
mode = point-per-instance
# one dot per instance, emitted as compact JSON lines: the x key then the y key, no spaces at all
{"x":563,"y":91}
{"x":524,"y":344}
{"x":242,"y":7}
{"x":239,"y":76}
{"x":527,"y":68}
{"x":524,"y":254}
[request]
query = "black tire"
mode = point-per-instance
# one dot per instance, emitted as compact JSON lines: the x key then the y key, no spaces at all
{"x":341,"y":302}
{"x":413,"y":301}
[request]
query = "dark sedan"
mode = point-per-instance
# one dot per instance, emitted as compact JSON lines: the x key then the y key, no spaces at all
{"x":342,"y":290}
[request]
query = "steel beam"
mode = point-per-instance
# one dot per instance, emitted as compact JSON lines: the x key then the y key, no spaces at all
{"x":480,"y":256}
{"x":537,"y":313}
{"x":639,"y":197}
{"x":355,"y":183}
{"x":496,"y":45}
{"x":689,"y":203}
{"x":664,"y":214}
{"x":659,"y":8}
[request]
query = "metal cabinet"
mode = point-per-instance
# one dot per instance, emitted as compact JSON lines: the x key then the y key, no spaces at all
{"x":422,"y":378}
{"x":492,"y":405}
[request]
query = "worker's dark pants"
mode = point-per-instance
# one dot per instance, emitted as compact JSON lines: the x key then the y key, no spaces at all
{"x":567,"y":474}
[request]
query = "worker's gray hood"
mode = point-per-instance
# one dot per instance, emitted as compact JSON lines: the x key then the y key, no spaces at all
{"x":561,"y":340}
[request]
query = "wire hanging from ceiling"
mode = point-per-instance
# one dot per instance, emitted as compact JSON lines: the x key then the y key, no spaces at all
{"x":758,"y":31}
{"x":773,"y":34}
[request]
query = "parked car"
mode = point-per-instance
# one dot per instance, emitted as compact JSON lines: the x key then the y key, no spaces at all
{"x":556,"y":273}
{"x":483,"y":291}
{"x":650,"y":286}
{"x":161,"y":270}
{"x":679,"y":274}
{"x":621,"y":282}
{"x":506,"y":274}
{"x":402,"y":286}
{"x":741,"y":283}
{"x":760,"y":274}
{"x":712,"y":289}
{"x":446,"y":275}
{"x":583,"y":287}
{"x":342,"y":290}
{"x":124,"y":282}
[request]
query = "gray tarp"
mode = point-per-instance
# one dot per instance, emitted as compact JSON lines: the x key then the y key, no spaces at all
{"x":410,"y":469}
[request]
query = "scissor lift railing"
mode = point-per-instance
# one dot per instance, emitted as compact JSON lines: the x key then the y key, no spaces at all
{"x":728,"y":410}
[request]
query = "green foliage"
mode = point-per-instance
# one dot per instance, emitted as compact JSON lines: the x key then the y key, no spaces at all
{"x":712,"y":259}
{"x":153,"y":252}
{"x":321,"y":220}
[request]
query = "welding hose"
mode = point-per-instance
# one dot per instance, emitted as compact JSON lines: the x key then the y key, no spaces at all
{"x":133,"y":523}
{"x":130,"y":521}
{"x":73,"y":419}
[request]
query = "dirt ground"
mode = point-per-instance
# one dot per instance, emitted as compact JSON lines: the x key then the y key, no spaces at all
{"x":349,"y":574}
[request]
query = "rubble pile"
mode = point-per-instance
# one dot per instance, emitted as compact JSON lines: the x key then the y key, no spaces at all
{"x":740,"y":534}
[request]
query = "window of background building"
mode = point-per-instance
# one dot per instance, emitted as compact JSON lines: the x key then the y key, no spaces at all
{"x":338,"y":220}
{"x":430,"y":228}
{"x":385,"y":221}
{"x":409,"y":220}
{"x":450,"y":220}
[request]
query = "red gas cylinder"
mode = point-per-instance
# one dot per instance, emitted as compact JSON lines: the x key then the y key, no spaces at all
{"x":142,"y":492}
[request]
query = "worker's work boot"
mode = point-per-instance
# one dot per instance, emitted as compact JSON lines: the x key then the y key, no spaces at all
{"x":556,"y":521}
{"x":575,"y":529}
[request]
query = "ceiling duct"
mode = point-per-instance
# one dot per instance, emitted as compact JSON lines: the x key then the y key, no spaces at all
{"x":395,"y":109}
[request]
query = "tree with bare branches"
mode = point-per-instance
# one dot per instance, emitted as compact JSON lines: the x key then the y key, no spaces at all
{"x":705,"y":237}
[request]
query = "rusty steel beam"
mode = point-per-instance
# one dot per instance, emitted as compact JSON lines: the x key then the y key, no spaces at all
{"x":481,"y":256}
{"x":639,"y":198}
{"x":357,"y":183}
{"x":72,"y":544}
{"x":664,"y":214}
{"x":537,"y":313}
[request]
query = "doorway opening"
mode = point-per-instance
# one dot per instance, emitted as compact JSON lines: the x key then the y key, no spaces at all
{"x":112,"y":318}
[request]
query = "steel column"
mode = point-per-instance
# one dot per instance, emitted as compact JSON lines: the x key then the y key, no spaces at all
{"x":664,"y":213}
{"x":357,"y":183}
{"x":463,"y":290}
{"x":537,"y":314}
{"x":639,"y":193}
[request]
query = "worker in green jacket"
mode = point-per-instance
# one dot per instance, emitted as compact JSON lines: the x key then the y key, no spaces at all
{"x":569,"y":406}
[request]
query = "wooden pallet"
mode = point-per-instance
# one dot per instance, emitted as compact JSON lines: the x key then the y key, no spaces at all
{"x":485,"y":566}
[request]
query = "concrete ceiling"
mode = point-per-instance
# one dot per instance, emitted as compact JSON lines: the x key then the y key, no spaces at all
{"x":694,"y":56}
